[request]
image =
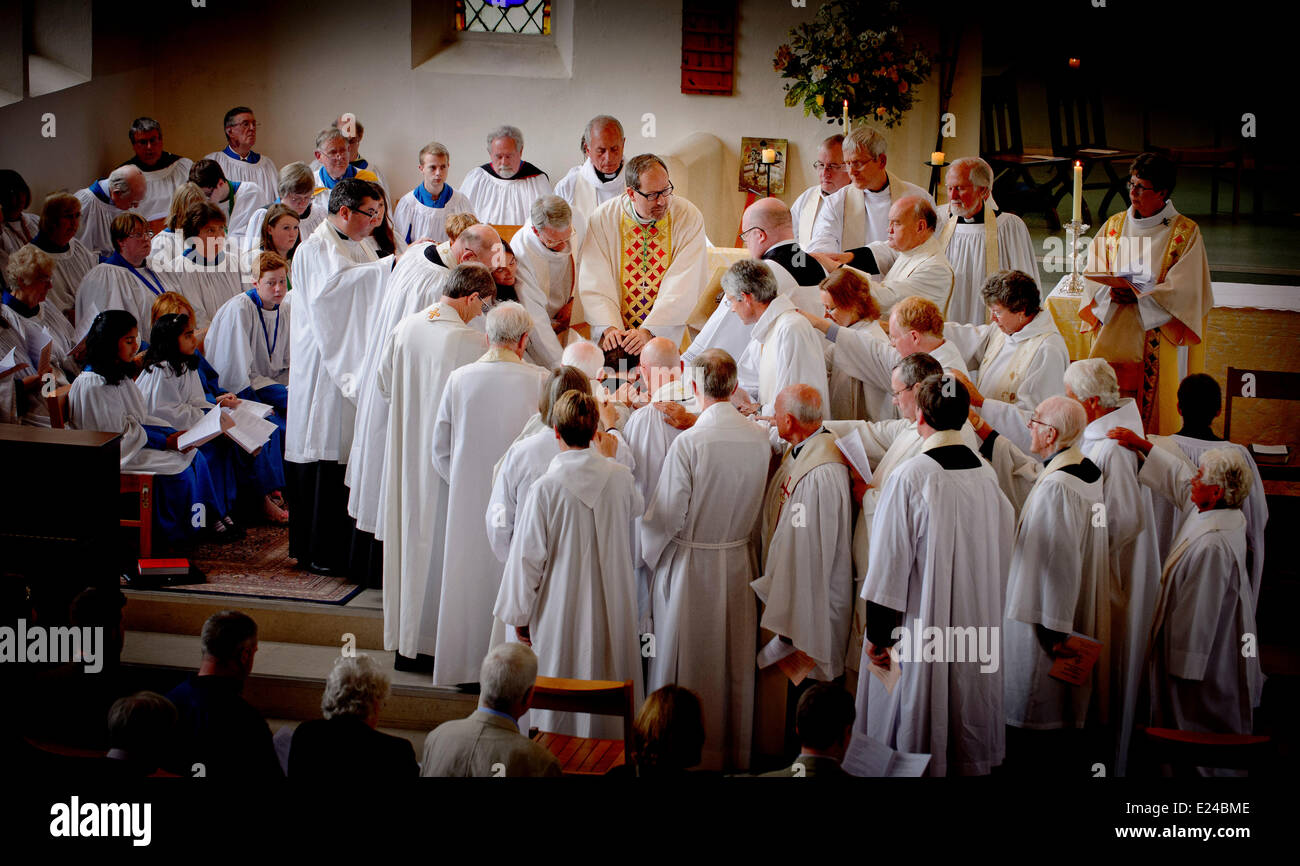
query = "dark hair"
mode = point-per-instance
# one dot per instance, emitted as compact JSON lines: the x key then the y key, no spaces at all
{"x":638,"y":165}
{"x":917,"y":367}
{"x":198,"y":215}
{"x":207,"y":173}
{"x":14,"y":192}
{"x":273,"y":214}
{"x":233,"y":113}
{"x":467,"y":278}
{"x":225,"y":633}
{"x":668,"y":734}
{"x":944,"y":402}
{"x":1157,"y":169}
{"x":142,"y":125}
{"x":165,"y":345}
{"x":109,"y":327}
{"x":1015,"y":290}
{"x":350,"y":193}
{"x":825,"y":710}
{"x":1199,"y":399}
{"x":385,"y":239}
{"x":96,"y":605}
{"x":501,"y":291}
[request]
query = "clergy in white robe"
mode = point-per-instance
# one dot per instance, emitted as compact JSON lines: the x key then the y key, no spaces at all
{"x":1057,"y":586}
{"x":940,"y":548}
{"x":599,"y":178}
{"x":248,"y":340}
{"x":697,"y":537}
{"x":239,"y":162}
{"x":847,"y":301}
{"x":164,"y":172}
{"x":502,"y":190}
{"x":832,"y":176}
{"x":29,"y":274}
{"x":421,"y":354}
{"x":105,"y":200}
{"x":421,"y":214}
{"x":858,"y":214}
{"x":332,"y":315}
{"x":643,"y":262}
{"x":467,"y":442}
{"x":912,"y":261}
{"x":60,"y":219}
{"x":123,"y":281}
{"x":547,"y":279}
{"x":567,"y":588}
{"x":783,"y":345}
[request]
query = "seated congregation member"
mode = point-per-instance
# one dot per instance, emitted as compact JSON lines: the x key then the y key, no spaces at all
{"x":668,"y":735}
{"x":849,"y":305}
{"x":106,"y":200}
{"x":548,"y":276}
{"x":489,"y":741}
{"x":164,"y":172}
{"x":783,"y":348}
{"x":941,"y":542}
{"x":1020,"y":356}
{"x":296,"y":187}
{"x":1199,"y":677}
{"x":104,"y":398}
{"x":421,"y":214}
{"x":696,"y":539}
{"x":568,"y":584}
{"x":344,"y":745}
{"x":823,"y":724}
{"x":1058,"y":585}
{"x":382,"y":237}
{"x":170,"y":242}
{"x":141,"y":728}
{"x":216,"y":727}
{"x":333,"y":155}
{"x":600,"y":177}
{"x":57,"y":237}
{"x":1199,"y":403}
{"x":248,"y":340}
{"x":30,"y":275}
{"x":502,"y":189}
{"x":174,"y":303}
{"x":18,"y":227}
{"x":237,"y":199}
{"x":467,"y":443}
{"x":209,"y":272}
{"x":238,"y":161}
{"x":124,"y":280}
{"x":279,"y":233}
{"x":17,"y":383}
{"x":173,"y":392}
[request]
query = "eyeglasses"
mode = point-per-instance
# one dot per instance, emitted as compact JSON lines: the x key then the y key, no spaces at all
{"x":830,"y":166}
{"x":372,"y":214}
{"x":859,"y":163}
{"x":1032,"y":421}
{"x":655,"y":196}
{"x":246,"y":124}
{"x":1134,"y":185}
{"x":752,"y":229}
{"x":145,"y":235}
{"x":895,"y":394}
{"x":554,"y":246}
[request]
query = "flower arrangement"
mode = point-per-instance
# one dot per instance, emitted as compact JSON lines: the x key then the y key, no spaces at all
{"x":852,"y":51}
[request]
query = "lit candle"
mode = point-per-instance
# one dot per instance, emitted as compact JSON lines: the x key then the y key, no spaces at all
{"x":1078,"y":191}
{"x":1074,"y":63}
{"x":769,"y":156}
{"x":847,"y":127}
{"x":937,"y":157}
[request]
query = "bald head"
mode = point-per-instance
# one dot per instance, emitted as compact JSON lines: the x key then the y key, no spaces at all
{"x":771,"y":216}
{"x":126,"y":187}
{"x":911,"y":222}
{"x":475,"y":244}
{"x":798,"y":411}
{"x":586,"y":356}
{"x":660,"y":363}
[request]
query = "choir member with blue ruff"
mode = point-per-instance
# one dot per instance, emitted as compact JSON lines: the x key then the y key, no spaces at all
{"x":237,"y":199}
{"x":333,"y":155}
{"x":355,"y":159}
{"x":248,"y":340}
{"x":599,"y":178}
{"x":280,"y":233}
{"x":238,"y":161}
{"x":502,"y":190}
{"x":422,"y":213}
{"x":173,"y":391}
{"x":164,"y":172}
{"x":207,"y":274}
{"x":170,"y":242}
{"x":30,"y":274}
{"x":123,"y":281}
{"x":104,"y":201}
{"x":297,"y":184}
{"x":57,"y":237}
{"x":104,"y":398}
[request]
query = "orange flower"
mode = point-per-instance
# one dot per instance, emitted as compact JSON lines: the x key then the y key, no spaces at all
{"x":881,"y":111}
{"x":902,"y":87}
{"x":853,"y":78}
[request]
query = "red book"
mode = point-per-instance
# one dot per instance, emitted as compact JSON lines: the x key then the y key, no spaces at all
{"x":161,"y":567}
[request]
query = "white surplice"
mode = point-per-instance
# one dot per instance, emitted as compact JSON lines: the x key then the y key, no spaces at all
{"x":965,"y":252}
{"x":583,"y":189}
{"x":569,"y":579}
{"x":70,"y":268}
{"x":854,"y":398}
{"x":413,"y":220}
{"x":63,"y":337}
{"x":868,"y":218}
{"x":178,"y":400}
{"x":787,"y":350}
{"x":16,"y":234}
{"x":424,"y":350}
{"x":114,"y":287}
{"x":256,"y":168}
{"x":207,"y":286}
{"x":923,"y":270}
{"x":503,"y":202}
{"x":244,"y":200}
{"x":97,"y":215}
{"x":940,"y":546}
{"x":248,"y":346}
{"x":306,"y":225}
{"x":545,"y":282}
{"x":697,"y":537}
{"x":161,"y":185}
{"x":804,"y":213}
{"x":468,"y":439}
{"x":96,"y":405}
{"x":862,"y":355}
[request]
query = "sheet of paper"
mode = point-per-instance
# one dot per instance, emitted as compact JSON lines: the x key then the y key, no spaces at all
{"x":248,"y":431}
{"x":214,"y":423}
{"x":851,"y":447}
{"x":254,"y":408}
{"x":1254,"y":446}
{"x":38,"y":346}
{"x":796,"y":666}
{"x":888,"y":677}
{"x":868,"y":757}
{"x":9,"y":361}
{"x":775,"y":650}
{"x":1076,"y":669}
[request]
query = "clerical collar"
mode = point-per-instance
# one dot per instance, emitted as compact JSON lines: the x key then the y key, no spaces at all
{"x":431,"y":253}
{"x":978,"y":219}
{"x":884,"y":190}
{"x":795,"y":449}
{"x":342,"y":235}
{"x":526,"y":170}
{"x":426,"y":198}
{"x":18,"y":306}
{"x":41,"y":242}
{"x":606,"y":178}
{"x":253,"y":157}
{"x":164,"y":161}
{"x":1164,"y":216}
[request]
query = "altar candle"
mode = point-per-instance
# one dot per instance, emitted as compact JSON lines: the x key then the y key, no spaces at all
{"x":769,"y":156}
{"x":1078,"y":191}
{"x":937,"y":157}
{"x":847,"y":127}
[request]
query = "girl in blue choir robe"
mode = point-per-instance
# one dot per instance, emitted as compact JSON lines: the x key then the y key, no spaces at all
{"x":104,"y":398}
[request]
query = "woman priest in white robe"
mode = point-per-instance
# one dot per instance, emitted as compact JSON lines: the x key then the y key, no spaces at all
{"x":848,"y":302}
{"x":209,"y":273}
{"x":568,"y":584}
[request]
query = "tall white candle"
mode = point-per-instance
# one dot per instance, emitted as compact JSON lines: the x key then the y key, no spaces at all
{"x":1078,"y":192}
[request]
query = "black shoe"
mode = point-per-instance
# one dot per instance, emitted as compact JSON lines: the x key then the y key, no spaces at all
{"x":324,"y":570}
{"x":421,"y":664}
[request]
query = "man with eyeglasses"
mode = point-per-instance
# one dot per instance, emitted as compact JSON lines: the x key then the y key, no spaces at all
{"x":239,"y":162}
{"x":1157,"y":297}
{"x":334,"y":156}
{"x":163,"y":171}
{"x":104,"y":201}
{"x":548,"y":278}
{"x":832,"y":176}
{"x":858,"y":214}
{"x":333,"y":309}
{"x":353,"y":131}
{"x":502,"y":190}
{"x":644,"y":263}
{"x":600,"y":177}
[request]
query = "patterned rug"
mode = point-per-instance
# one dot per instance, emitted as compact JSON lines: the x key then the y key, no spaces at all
{"x":259,"y":566}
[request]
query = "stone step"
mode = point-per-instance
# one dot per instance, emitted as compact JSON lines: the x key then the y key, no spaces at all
{"x":288,"y":679}
{"x":281,"y":620}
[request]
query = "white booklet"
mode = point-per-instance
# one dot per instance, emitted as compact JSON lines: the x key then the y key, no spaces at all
{"x":868,"y":757}
{"x":851,"y":447}
{"x":39,"y":343}
{"x":9,"y":362}
{"x":214,"y":423}
{"x":246,"y":427}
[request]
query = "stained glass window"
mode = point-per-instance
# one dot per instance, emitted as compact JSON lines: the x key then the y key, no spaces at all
{"x":525,"y":17}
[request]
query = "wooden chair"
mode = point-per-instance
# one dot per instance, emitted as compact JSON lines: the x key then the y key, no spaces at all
{"x":1187,"y":749}
{"x":1078,"y":128}
{"x":1002,"y":147}
{"x":1264,"y":384}
{"x":1217,"y":157}
{"x":586,"y":756}
{"x":507,"y":232}
{"x":138,"y":484}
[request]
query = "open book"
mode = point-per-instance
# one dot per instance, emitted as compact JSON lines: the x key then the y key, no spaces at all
{"x":246,"y":424}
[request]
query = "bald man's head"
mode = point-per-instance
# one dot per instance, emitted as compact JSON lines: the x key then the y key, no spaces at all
{"x":798,"y":411}
{"x":586,"y":356}
{"x":911,"y":222}
{"x":771,"y":219}
{"x":477,"y":240}
{"x":660,"y":363}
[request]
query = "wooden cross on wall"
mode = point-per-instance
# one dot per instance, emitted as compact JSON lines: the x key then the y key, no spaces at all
{"x":708,"y":46}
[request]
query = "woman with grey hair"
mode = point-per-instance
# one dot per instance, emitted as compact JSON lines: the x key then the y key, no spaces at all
{"x":30,"y":275}
{"x":344,"y":744}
